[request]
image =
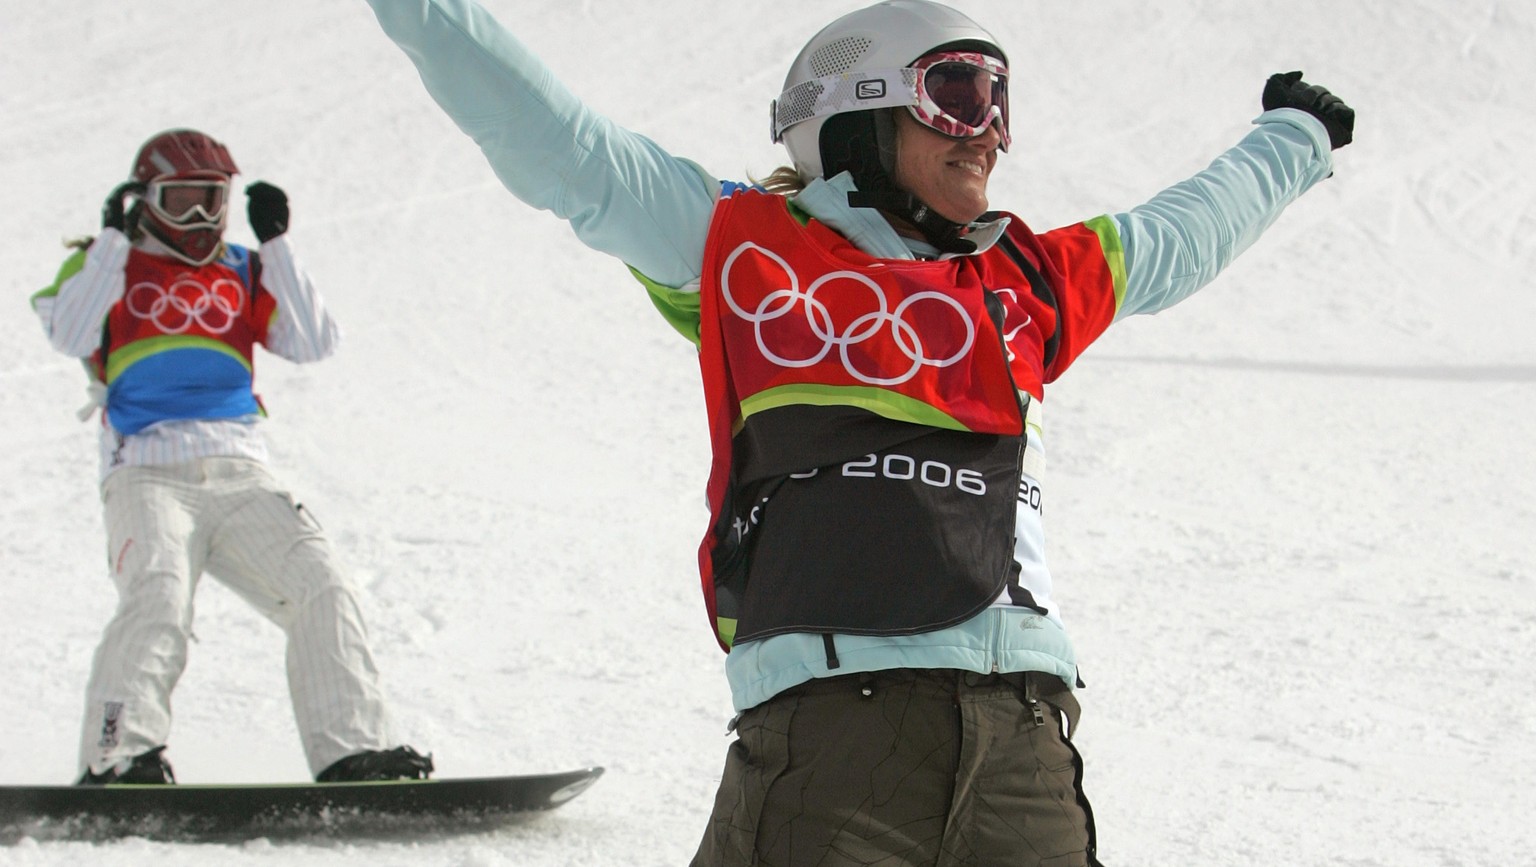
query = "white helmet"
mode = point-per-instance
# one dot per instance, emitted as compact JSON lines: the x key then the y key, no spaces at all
{"x":862,"y":61}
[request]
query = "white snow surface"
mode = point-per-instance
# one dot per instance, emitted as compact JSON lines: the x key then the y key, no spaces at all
{"x":1292,"y":519}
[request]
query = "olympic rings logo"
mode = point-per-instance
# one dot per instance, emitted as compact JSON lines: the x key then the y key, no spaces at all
{"x":173,"y":310}
{"x":882,"y":323}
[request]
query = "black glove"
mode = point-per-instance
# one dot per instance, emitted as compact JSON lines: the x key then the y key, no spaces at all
{"x":268,"y":210}
{"x":1287,"y":90}
{"x":113,"y":210}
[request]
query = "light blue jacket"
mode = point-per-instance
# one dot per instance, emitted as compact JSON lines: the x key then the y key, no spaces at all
{"x":625,"y":196}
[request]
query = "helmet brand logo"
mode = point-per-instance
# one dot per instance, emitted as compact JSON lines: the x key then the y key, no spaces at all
{"x":870,"y":89}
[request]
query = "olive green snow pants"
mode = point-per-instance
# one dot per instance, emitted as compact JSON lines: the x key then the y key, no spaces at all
{"x":905,"y":767}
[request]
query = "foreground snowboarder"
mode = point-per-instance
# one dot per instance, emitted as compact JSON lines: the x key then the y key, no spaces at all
{"x":166,"y":315}
{"x":875,"y":344}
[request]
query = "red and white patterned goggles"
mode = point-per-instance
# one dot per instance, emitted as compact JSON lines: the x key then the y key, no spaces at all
{"x":956,"y":93}
{"x":961,"y":93}
{"x":183,"y":201}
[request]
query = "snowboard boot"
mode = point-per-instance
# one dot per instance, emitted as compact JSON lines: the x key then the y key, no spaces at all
{"x":400,"y":763}
{"x":145,"y":769}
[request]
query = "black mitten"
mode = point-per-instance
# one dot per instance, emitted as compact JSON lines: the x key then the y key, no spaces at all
{"x":267,"y":208}
{"x":1287,"y":90}
{"x":113,"y":210}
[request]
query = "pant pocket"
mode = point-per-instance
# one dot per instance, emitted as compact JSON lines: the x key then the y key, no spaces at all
{"x":754,"y":761}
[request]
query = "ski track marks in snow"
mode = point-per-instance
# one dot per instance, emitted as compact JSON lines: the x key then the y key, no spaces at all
{"x":1290,"y":519}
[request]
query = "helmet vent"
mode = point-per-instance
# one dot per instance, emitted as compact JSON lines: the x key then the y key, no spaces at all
{"x":839,"y":56}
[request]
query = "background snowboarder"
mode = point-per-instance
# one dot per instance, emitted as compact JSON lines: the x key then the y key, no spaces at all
{"x":166,"y":315}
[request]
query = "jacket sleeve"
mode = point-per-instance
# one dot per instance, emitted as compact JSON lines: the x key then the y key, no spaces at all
{"x":622,"y":194}
{"x":302,"y":330}
{"x":75,"y":306}
{"x":1184,"y":236}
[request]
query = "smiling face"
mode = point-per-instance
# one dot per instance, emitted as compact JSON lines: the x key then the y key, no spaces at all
{"x":949,"y":175}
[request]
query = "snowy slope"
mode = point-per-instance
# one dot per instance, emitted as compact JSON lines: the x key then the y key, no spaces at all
{"x":1291,"y":519}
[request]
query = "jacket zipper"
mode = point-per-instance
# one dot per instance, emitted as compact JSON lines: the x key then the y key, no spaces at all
{"x":996,"y":314}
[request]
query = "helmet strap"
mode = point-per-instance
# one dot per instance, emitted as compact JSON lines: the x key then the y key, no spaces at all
{"x":942,"y":232}
{"x":863,"y":143}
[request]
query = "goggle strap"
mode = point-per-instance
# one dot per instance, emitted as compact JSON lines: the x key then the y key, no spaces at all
{"x":850,"y":91}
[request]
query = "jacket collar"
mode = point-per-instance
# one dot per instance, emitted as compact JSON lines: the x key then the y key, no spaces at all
{"x":826,"y":200}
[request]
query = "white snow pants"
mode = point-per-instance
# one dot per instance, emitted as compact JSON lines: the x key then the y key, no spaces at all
{"x":168,"y":524}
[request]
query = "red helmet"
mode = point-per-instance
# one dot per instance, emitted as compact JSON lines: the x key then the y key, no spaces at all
{"x":186,"y":176}
{"x":181,"y":152}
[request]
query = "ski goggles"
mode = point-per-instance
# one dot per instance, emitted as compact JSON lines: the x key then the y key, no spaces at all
{"x":956,"y":93}
{"x":961,"y":93}
{"x":188,"y":201}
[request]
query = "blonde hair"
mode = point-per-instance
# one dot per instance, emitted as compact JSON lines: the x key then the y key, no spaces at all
{"x":782,"y":181}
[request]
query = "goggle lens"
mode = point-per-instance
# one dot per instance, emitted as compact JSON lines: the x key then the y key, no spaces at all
{"x":961,"y":93}
{"x":187,"y":201}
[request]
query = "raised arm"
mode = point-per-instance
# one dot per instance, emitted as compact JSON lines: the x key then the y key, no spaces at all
{"x":1185,"y":235}
{"x":302,"y":330}
{"x":622,"y":194}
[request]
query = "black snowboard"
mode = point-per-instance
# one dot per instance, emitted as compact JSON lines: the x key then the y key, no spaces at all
{"x":200,"y":812}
